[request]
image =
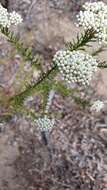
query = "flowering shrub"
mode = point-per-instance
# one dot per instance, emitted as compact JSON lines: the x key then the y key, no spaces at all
{"x":73,"y":63}
{"x":94,"y":16}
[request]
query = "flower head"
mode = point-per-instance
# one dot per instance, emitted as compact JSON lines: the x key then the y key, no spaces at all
{"x":97,"y":106}
{"x":4,"y":17}
{"x":94,"y":16}
{"x":45,"y":124}
{"x":75,"y":67}
{"x":15,"y":18}
{"x":8,"y":19}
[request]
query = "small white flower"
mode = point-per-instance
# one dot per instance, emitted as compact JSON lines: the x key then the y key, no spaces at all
{"x":15,"y":18}
{"x":97,"y":106}
{"x":8,"y":19}
{"x":75,"y":67}
{"x":94,"y":16}
{"x":45,"y":124}
{"x":4,"y":17}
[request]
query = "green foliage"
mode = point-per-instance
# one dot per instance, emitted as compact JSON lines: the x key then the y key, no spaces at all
{"x":62,"y":89}
{"x":82,"y":102}
{"x":5,"y":117}
{"x":102,"y":65}
{"x":40,"y":85}
{"x":82,"y":40}
{"x":86,"y":37}
{"x":25,"y":52}
{"x":46,"y":81}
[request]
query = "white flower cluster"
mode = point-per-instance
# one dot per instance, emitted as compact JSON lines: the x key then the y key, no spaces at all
{"x":45,"y":124}
{"x":97,"y":106}
{"x":94,"y":16}
{"x":8,"y":19}
{"x":4,"y":17}
{"x":15,"y":18}
{"x":75,"y":67}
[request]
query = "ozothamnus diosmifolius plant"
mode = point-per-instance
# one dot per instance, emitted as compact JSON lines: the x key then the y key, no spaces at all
{"x":75,"y":65}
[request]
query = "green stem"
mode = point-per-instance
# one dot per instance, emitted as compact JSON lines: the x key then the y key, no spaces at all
{"x":102,"y":65}
{"x":82,"y":40}
{"x":18,"y":99}
{"x":25,"y":52}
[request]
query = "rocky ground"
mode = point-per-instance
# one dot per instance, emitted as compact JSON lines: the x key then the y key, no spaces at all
{"x":75,"y":157}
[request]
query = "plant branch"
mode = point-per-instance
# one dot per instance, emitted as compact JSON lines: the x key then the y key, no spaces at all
{"x":18,"y":99}
{"x":25,"y":52}
{"x":102,"y":65}
{"x":87,"y":36}
{"x":82,"y":40}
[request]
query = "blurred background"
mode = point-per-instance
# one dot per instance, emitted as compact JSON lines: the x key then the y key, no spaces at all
{"x":79,"y":141}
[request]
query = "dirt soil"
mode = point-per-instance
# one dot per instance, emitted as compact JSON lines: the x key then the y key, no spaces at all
{"x":74,"y":158}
